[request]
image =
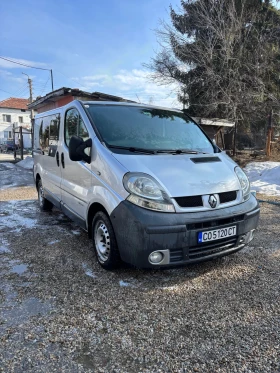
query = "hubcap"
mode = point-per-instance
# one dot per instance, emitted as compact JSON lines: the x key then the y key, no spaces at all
{"x":102,"y":241}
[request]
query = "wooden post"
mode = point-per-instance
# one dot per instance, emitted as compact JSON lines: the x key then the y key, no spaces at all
{"x":269,"y":133}
{"x":21,"y":143}
{"x":234,"y":139}
{"x":14,"y":141}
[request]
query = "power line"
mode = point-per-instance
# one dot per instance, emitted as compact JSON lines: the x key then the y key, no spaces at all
{"x":23,"y":64}
{"x":67,"y":77}
{"x":32,"y":67}
{"x":6,"y":92}
{"x":44,"y":87}
{"x":21,"y":89}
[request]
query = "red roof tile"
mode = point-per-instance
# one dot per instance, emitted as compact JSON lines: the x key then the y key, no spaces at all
{"x":15,"y":103}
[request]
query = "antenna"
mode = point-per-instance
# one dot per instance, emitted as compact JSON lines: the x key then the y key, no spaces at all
{"x":138,"y":98}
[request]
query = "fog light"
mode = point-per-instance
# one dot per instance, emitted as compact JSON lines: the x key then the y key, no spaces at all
{"x":155,"y":257}
{"x":242,"y":239}
{"x":251,"y":235}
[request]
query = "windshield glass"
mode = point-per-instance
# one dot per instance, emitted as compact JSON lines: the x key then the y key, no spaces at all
{"x":147,"y":128}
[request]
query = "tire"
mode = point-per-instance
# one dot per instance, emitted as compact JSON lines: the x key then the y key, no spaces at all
{"x":44,"y":204}
{"x":104,"y":242}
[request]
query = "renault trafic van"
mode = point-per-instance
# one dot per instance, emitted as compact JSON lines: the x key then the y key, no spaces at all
{"x":146,"y":182}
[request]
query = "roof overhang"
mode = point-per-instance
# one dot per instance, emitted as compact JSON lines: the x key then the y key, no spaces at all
{"x":214,"y":122}
{"x":77,"y":93}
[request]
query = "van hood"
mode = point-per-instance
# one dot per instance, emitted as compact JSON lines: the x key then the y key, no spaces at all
{"x":180,"y":175}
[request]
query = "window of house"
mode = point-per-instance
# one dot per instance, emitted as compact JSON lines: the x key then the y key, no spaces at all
{"x":7,"y":118}
{"x":10,"y":134}
{"x":20,"y":119}
{"x":23,"y":110}
{"x":74,"y":126}
{"x":6,"y":134}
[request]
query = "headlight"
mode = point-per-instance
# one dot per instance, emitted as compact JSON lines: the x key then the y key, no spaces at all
{"x":244,"y":182}
{"x":146,"y":192}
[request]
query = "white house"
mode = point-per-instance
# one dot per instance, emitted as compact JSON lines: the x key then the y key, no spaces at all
{"x":13,"y":114}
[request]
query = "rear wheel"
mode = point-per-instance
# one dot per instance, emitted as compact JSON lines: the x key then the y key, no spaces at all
{"x":104,"y":242}
{"x":44,"y":204}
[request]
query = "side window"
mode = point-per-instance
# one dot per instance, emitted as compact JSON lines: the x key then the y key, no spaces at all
{"x":45,"y":134}
{"x":74,"y":126}
{"x":54,"y":134}
{"x":48,"y":135}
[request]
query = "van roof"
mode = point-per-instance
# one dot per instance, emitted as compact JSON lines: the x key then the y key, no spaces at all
{"x":128,"y":104}
{"x":57,"y":110}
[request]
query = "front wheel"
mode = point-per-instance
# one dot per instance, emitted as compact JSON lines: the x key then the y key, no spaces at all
{"x":44,"y":204}
{"x":104,"y":242}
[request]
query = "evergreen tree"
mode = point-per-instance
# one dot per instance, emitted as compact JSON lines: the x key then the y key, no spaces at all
{"x":225,"y":54}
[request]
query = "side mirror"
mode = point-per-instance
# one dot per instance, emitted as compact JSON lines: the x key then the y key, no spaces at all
{"x":77,"y":148}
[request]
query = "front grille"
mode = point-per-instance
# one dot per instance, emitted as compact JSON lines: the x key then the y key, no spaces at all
{"x":215,"y":223}
{"x":176,"y":255}
{"x":227,"y":196}
{"x":196,"y":201}
{"x":192,"y":201}
{"x":206,"y":249}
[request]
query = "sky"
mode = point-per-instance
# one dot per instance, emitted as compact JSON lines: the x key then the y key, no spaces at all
{"x":89,"y":44}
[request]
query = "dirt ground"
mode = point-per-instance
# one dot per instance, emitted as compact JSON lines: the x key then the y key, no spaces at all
{"x":244,"y":157}
{"x":61,"y":312}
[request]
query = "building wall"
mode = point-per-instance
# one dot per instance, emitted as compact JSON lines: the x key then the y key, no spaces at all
{"x":53,"y":105}
{"x":15,"y":114}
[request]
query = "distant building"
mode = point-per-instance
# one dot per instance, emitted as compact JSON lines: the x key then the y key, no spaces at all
{"x":14,"y":113}
{"x":64,"y":95}
{"x":216,"y":130}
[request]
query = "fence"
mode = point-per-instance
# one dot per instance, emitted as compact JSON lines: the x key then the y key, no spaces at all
{"x":250,"y":143}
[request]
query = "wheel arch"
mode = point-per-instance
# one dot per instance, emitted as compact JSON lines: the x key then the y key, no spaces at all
{"x":93,"y":209}
{"x":38,"y":178}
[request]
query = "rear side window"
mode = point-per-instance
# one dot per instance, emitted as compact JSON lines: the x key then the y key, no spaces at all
{"x":74,"y":126}
{"x":46,"y":134}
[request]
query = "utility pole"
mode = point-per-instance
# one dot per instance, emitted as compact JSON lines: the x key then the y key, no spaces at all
{"x":30,"y":92}
{"x":32,"y":113}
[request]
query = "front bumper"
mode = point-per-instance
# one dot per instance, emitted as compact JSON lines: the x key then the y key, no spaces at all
{"x":139,"y":232}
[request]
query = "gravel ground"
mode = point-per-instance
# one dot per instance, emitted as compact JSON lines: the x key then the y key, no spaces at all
{"x":61,"y":312}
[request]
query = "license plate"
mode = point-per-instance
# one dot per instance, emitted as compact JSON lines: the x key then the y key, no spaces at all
{"x":216,"y":234}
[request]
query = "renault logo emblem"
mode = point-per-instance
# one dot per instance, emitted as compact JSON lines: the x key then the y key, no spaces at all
{"x":212,"y":201}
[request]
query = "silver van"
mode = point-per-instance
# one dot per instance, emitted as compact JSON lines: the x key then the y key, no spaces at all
{"x":146,"y":183}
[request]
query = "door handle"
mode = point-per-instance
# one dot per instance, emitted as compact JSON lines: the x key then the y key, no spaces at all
{"x":62,"y":160}
{"x":57,"y":158}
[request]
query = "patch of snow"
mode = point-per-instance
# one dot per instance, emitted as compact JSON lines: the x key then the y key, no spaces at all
{"x":4,"y":249}
{"x":17,"y":222}
{"x":9,"y":186}
{"x":53,"y":242}
{"x":76,"y":232}
{"x":9,"y":165}
{"x":88,"y":271}
{"x":19,"y":268}
{"x":26,"y":163}
{"x":264,"y":177}
{"x":125,"y":284}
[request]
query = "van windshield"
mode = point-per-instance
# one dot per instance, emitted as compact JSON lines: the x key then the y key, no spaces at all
{"x":148,"y":129}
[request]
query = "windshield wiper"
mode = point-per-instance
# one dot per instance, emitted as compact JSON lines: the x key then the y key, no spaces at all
{"x":179,"y":151}
{"x":133,"y":149}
